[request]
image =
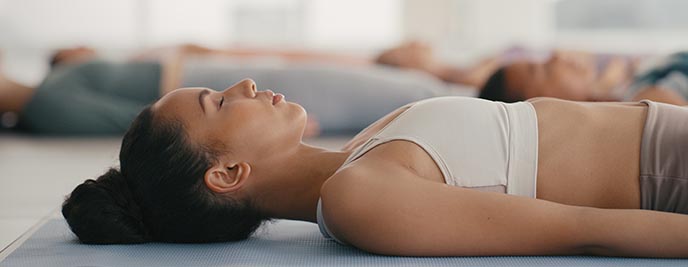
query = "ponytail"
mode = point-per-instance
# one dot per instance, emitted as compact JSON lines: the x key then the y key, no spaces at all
{"x":103,"y":211}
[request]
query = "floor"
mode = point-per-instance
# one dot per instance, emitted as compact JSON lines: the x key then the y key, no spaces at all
{"x":36,"y":173}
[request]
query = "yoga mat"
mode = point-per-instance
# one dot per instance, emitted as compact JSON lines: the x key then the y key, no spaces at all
{"x":283,"y":243}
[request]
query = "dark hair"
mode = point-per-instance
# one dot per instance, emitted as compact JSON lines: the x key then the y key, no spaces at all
{"x":496,"y":88}
{"x":159,"y":194}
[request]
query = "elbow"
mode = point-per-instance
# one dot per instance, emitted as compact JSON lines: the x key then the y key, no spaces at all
{"x":382,"y":246}
{"x":586,"y":233}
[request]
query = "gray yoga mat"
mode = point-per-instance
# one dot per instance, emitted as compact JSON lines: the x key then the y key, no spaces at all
{"x":284,"y":243}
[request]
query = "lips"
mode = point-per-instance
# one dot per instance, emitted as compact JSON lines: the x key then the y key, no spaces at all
{"x":276,"y":98}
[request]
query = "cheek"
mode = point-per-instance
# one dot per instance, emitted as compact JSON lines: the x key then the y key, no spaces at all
{"x":566,"y":78}
{"x":240,"y":119}
{"x":574,"y":76}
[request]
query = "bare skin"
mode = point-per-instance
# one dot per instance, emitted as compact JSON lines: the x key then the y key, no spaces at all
{"x":660,"y":94}
{"x":393,"y":201}
{"x":13,"y":96}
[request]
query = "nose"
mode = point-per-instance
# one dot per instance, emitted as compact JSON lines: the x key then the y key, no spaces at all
{"x":246,"y":87}
{"x":556,"y":56}
{"x":556,"y":60}
{"x":248,"y":84}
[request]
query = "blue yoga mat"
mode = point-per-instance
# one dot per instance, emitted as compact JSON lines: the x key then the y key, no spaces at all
{"x":283,"y":243}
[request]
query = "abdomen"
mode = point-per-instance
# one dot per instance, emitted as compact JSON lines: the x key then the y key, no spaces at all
{"x":589,"y":153}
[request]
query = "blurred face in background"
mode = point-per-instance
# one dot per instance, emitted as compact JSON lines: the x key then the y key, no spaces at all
{"x":560,"y":76}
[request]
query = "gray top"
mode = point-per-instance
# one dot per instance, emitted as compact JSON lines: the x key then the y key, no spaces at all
{"x":96,"y":97}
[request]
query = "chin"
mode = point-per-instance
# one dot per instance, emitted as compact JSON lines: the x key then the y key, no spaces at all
{"x":298,"y":109}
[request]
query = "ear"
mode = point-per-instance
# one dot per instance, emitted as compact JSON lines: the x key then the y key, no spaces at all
{"x":223,"y":178}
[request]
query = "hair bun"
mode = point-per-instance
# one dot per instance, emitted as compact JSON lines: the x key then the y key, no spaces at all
{"x":103,"y":211}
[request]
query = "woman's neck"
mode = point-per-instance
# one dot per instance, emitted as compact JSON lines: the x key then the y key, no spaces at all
{"x":293,"y":188}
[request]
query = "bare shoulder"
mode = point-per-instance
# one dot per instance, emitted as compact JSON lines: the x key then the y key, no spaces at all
{"x":349,"y":186}
{"x":347,"y":196}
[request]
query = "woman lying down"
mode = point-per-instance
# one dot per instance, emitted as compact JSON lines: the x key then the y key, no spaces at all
{"x":447,"y":176}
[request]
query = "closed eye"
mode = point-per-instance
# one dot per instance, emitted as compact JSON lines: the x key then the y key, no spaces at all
{"x":222,"y":100}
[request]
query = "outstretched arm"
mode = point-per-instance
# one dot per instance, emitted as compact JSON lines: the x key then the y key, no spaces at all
{"x":419,"y":56}
{"x":294,"y":55}
{"x":405,"y":215}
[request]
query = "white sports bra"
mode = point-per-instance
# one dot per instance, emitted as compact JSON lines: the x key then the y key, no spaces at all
{"x":477,"y":144}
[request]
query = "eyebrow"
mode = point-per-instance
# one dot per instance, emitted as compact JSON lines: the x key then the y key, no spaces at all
{"x":200,"y":99}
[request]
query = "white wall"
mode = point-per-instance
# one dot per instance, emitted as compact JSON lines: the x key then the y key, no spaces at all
{"x":136,"y":23}
{"x":31,"y":29}
{"x":179,"y":21}
{"x":466,"y":29}
{"x":364,"y":24}
{"x":45,"y":24}
{"x":461,"y":30}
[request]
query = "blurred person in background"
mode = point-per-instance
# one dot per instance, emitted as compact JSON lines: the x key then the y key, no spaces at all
{"x":519,"y":73}
{"x":86,"y":95}
{"x":579,"y":77}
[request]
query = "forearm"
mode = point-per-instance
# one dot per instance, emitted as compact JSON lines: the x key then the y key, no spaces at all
{"x":636,"y":233}
{"x":285,"y":54}
{"x":453,"y":74}
{"x":474,"y":75}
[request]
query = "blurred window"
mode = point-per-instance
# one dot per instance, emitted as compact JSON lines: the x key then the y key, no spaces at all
{"x":621,"y":14}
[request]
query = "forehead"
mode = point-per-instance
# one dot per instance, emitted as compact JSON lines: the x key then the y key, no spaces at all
{"x":519,"y":68}
{"x":181,"y":104}
{"x":517,"y":74}
{"x":524,"y":80}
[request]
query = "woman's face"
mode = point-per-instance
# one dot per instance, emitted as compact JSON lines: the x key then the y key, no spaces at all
{"x":560,"y":77}
{"x":250,"y":123}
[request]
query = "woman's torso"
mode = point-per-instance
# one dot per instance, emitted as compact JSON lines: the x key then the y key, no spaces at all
{"x":588,"y":154}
